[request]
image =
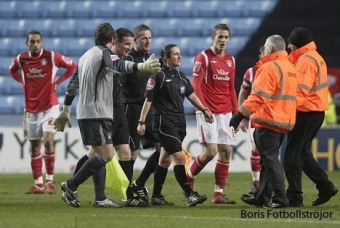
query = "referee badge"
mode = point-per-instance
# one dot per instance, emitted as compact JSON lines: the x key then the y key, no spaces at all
{"x":182,"y":90}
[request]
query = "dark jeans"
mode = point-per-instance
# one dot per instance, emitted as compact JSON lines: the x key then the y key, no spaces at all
{"x":268,"y":143}
{"x":298,"y":156}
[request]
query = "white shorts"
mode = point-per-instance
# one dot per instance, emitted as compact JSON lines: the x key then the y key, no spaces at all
{"x":251,"y":132}
{"x":40,"y":122}
{"x":217,"y":132}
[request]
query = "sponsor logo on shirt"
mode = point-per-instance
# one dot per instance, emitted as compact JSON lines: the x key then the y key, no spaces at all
{"x":221,"y":75}
{"x":151,"y":83}
{"x":35,"y":73}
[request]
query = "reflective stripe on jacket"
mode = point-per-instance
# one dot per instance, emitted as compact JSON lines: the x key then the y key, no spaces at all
{"x":312,"y":93}
{"x":272,"y":102}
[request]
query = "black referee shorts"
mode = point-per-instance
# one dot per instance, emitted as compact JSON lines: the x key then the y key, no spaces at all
{"x":120,"y":126}
{"x":171,"y":130}
{"x":95,"y":132}
{"x":132,"y":112}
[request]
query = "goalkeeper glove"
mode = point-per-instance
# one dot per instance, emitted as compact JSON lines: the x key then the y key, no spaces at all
{"x":235,"y":120}
{"x":150,"y":65}
{"x":63,"y":119}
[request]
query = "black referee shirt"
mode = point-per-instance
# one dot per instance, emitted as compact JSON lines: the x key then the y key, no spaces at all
{"x":134,"y":83}
{"x":167,"y":90}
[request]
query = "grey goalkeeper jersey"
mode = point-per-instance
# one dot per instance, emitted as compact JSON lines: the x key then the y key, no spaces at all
{"x":93,"y":82}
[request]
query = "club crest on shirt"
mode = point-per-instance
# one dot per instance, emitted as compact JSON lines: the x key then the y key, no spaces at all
{"x":230,"y":63}
{"x":197,"y":66}
{"x":151,"y":83}
{"x":43,"y":62}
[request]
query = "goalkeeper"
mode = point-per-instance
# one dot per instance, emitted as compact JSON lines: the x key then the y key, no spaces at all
{"x":93,"y":81}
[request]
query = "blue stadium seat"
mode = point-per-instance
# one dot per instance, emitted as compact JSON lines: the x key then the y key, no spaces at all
{"x":44,"y":26}
{"x":232,"y":8}
{"x":207,"y":9}
{"x":260,"y":8}
{"x":15,"y":28}
{"x":16,"y":88}
{"x":30,"y":9}
{"x":159,"y":42}
{"x":187,"y":65}
{"x":4,"y":84}
{"x":11,"y":104}
{"x":191,"y":27}
{"x":181,"y":9}
{"x":55,"y":44}
{"x":9,"y":9}
{"x":244,"y":26}
{"x":86,"y":27}
{"x":165,"y":27}
{"x":5,"y":63}
{"x":55,"y":9}
{"x":236,"y":44}
{"x":64,"y":28}
{"x":77,"y":46}
{"x":12,"y":46}
{"x":191,"y":46}
{"x":6,"y":106}
{"x":157,"y":9}
{"x":105,"y":9}
{"x":80,"y":9}
{"x":128,"y":9}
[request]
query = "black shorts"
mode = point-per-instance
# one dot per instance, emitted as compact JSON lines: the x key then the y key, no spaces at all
{"x":132,"y":112}
{"x":95,"y":132}
{"x":120,"y":127}
{"x":171,"y":130}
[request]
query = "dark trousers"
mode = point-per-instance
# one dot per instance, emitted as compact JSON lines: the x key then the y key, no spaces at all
{"x":298,"y":156}
{"x":268,"y":143}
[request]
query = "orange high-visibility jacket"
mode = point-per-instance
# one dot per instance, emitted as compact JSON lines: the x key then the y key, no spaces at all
{"x":312,"y":93}
{"x":272,"y":102}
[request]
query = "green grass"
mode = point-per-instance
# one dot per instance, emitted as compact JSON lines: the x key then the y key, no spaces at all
{"x":20,"y":210}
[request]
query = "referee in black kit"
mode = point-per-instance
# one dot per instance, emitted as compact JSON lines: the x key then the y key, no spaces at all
{"x":133,"y":92}
{"x":166,"y":92}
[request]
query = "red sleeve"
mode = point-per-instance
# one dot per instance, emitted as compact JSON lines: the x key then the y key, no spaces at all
{"x":67,"y":63}
{"x":199,"y":71}
{"x":247,"y":79}
{"x":233,"y":96}
{"x":14,"y":70}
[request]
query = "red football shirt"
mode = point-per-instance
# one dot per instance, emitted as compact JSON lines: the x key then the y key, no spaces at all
{"x":38,"y":76}
{"x":248,"y":77}
{"x":214,"y":81}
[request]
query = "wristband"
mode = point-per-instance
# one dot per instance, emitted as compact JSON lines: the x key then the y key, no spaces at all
{"x":141,"y":122}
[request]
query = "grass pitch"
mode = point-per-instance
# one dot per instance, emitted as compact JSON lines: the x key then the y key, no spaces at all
{"x":20,"y":210}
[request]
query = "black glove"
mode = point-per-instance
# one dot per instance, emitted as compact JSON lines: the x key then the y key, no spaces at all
{"x":236,"y":120}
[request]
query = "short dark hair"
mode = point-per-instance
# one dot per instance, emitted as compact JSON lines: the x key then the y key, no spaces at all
{"x":123,"y":32}
{"x":104,"y":34}
{"x":139,"y":28}
{"x":33,"y":32}
{"x":221,"y":27}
